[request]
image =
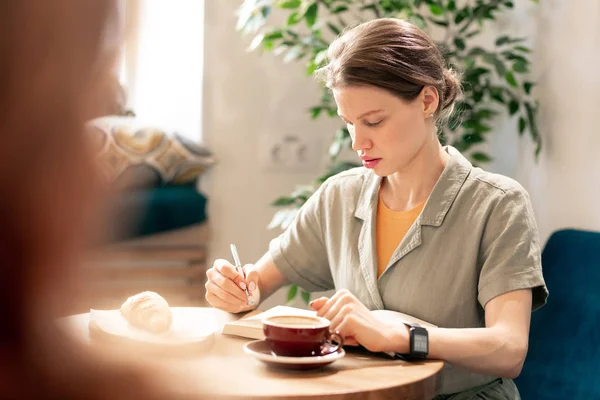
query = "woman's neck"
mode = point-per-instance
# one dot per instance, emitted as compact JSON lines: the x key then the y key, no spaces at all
{"x":412,"y":185}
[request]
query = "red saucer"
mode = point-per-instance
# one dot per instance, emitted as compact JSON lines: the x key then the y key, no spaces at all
{"x":260,"y":350}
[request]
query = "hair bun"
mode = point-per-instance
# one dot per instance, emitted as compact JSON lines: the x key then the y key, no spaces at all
{"x":452,"y":88}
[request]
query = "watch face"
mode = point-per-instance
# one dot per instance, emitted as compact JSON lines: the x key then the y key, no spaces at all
{"x":420,"y":344}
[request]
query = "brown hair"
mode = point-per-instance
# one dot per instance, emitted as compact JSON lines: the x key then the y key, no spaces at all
{"x":394,"y":55}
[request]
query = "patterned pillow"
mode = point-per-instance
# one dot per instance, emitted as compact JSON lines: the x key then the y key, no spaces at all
{"x":134,"y":156}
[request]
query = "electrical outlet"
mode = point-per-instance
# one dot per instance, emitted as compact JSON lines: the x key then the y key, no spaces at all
{"x":287,"y":153}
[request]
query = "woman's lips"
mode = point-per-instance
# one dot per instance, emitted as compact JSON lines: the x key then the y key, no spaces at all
{"x":370,"y":162}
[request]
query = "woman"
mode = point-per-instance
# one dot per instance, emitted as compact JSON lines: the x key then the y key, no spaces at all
{"x":55,"y":72}
{"x":417,"y":230}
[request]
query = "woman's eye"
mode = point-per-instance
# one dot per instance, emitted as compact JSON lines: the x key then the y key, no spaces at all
{"x":372,"y":124}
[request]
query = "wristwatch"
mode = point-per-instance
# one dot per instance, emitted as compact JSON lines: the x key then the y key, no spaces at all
{"x":419,"y":343}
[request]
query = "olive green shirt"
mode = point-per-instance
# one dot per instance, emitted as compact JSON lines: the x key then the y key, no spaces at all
{"x":475,"y":239}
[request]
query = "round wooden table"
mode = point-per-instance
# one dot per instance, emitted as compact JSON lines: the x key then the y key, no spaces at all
{"x":224,"y":370}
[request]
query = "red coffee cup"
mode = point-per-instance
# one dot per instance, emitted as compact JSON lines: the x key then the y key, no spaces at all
{"x":300,"y":336}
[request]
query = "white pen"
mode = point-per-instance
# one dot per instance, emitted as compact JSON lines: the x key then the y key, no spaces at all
{"x":238,"y":267}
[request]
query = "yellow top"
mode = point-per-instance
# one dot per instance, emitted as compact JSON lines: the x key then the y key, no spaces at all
{"x":390,"y":230}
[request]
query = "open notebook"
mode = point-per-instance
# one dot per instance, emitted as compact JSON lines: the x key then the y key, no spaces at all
{"x":250,"y":326}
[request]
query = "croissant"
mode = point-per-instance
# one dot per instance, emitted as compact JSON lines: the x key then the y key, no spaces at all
{"x":148,"y":311}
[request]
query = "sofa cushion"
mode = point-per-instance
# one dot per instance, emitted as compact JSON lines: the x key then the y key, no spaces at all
{"x":563,"y":361}
{"x":144,"y":212}
{"x":133,"y":155}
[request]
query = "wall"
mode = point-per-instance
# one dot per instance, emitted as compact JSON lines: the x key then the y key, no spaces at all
{"x":565,"y":184}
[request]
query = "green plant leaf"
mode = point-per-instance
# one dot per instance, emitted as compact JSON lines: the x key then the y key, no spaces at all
{"x":302,"y":192}
{"x":510,"y":78}
{"x":497,"y":95}
{"x":305,"y":296}
{"x":417,"y":20}
{"x":439,"y":22}
{"x":462,"y":15}
{"x":531,"y":112}
{"x":292,"y":291}
{"x":321,"y":57}
{"x":474,"y":33}
{"x":276,"y":34}
{"x":522,"y":49}
{"x":258,"y":39}
{"x":339,"y":9}
{"x":289,"y":4}
{"x":496,"y":62}
{"x":436,"y":9}
{"x":315,"y":112}
{"x":513,"y":107}
{"x":476,"y":126}
{"x":509,"y":4}
{"x":477,"y":51}
{"x":474,"y":74}
{"x":520,"y":67}
{"x":335,"y":149}
{"x":283,"y":217}
{"x":293,"y":19}
{"x":336,"y":169}
{"x":481,"y":157}
{"x":528,"y":86}
{"x":451,"y":5}
{"x":522,"y":125}
{"x":472,"y":138}
{"x":283,"y":201}
{"x":266,"y":11}
{"x":502,"y":40}
{"x":460,"y":43}
{"x":310,"y":16}
{"x":486,"y":113}
{"x":311,"y":67}
{"x":292,"y":54}
{"x":334,"y":28}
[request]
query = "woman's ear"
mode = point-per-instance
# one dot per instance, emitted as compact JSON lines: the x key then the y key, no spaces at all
{"x":430,"y":99}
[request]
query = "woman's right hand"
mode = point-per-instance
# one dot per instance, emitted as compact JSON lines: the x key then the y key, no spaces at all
{"x":225,"y":287}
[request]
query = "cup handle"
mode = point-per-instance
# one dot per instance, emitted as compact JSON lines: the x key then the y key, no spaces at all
{"x":330,"y":347}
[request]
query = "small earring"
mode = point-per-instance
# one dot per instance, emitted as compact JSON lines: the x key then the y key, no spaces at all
{"x":431,"y":115}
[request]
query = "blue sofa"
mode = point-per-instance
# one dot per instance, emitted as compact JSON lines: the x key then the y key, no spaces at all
{"x":563,"y":361}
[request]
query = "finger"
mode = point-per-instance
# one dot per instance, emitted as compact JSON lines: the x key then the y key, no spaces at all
{"x":349,"y":328}
{"x":214,"y":287}
{"x":228,"y":270}
{"x":221,"y":304}
{"x":222,"y":274}
{"x":226,"y":284}
{"x":333,"y":300}
{"x":337,"y":319}
{"x":316,"y":304}
{"x":251,"y":277}
{"x":343,"y":302}
{"x":350,"y":341}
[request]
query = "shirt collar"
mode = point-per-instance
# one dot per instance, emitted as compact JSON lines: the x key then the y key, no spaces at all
{"x":443,"y":195}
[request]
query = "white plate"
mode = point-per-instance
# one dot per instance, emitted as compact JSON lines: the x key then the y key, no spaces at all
{"x":191,"y":326}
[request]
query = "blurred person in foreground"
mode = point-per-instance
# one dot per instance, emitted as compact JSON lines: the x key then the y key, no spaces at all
{"x":56,"y":66}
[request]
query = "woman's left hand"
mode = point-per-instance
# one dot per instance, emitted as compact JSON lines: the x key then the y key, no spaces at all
{"x":357,"y":325}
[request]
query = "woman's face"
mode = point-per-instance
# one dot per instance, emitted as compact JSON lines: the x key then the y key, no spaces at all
{"x":387,"y":132}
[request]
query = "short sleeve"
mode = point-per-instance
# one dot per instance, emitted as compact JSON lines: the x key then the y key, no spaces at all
{"x":299,"y":252}
{"x":511,"y":254}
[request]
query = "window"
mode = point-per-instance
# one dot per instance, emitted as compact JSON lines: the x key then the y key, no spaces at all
{"x":162,"y":64}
